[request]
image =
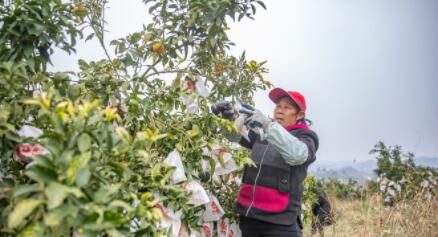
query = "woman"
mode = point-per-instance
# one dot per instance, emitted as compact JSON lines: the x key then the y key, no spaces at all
{"x":269,"y":199}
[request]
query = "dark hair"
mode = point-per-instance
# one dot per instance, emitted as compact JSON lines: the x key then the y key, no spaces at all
{"x":305,"y":121}
{"x":298,"y":109}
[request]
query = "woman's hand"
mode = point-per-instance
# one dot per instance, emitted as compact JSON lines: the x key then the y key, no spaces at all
{"x":255,"y":117}
{"x":225,"y":110}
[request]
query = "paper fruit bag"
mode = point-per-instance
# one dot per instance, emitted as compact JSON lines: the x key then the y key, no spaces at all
{"x":199,"y":195}
{"x":213,"y":210}
{"x":222,"y":227}
{"x":171,"y":219}
{"x":174,"y":159}
{"x":207,"y":229}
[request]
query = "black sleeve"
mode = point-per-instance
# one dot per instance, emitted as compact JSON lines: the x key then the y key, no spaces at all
{"x":311,"y":140}
{"x":252,"y":138}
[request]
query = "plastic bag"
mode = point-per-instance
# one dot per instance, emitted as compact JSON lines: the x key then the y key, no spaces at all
{"x":174,"y":159}
{"x":199,"y":195}
{"x":213,"y":210}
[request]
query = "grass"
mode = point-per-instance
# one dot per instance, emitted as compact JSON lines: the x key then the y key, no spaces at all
{"x":369,"y":217}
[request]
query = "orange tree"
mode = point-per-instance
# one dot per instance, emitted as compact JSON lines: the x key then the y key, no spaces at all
{"x":95,"y":165}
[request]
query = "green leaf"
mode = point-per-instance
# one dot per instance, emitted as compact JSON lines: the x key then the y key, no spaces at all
{"x":44,"y":161}
{"x":195,"y":131}
{"x":115,"y":233}
{"x":104,"y":192}
{"x":56,"y":216}
{"x":24,"y":189}
{"x":72,"y":171}
{"x":74,"y":91}
{"x":83,"y":176}
{"x":123,"y":134}
{"x":37,"y":29}
{"x":145,"y":155}
{"x":56,"y":194}
{"x":212,"y":166}
{"x":89,"y":37}
{"x":41,"y":174}
{"x":33,"y":230}
{"x":84,"y":142}
{"x":122,"y":204}
{"x":261,"y":4}
{"x":21,"y":211}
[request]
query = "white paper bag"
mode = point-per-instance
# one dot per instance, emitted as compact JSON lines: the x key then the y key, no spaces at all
{"x":174,"y":160}
{"x":171,"y":219}
{"x":205,"y":165}
{"x":218,"y":153}
{"x":207,"y":229}
{"x":213,"y":210}
{"x":234,"y":230}
{"x":191,"y":104}
{"x":243,"y":130}
{"x":183,"y":232}
{"x":201,"y":89}
{"x":229,"y":165}
{"x":199,"y":195}
{"x":222,"y":227}
{"x":29,"y":131}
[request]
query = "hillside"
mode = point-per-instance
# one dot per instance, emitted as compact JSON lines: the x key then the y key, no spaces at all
{"x":359,"y":171}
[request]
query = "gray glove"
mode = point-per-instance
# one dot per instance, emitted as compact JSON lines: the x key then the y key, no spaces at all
{"x":255,"y":117}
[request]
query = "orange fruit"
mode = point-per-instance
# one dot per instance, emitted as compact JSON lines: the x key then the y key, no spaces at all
{"x":219,"y":69}
{"x":77,"y":9}
{"x":158,"y":48}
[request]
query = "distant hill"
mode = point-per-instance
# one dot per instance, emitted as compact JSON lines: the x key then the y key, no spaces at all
{"x":427,"y":161}
{"x":343,"y":174}
{"x":361,"y":171}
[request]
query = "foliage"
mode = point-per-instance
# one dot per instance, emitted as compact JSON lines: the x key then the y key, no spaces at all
{"x":310,"y":197}
{"x":399,"y":178}
{"x":97,"y":168}
{"x":350,"y":190}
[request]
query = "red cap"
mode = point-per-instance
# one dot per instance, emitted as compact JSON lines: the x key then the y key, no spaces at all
{"x":297,"y":97}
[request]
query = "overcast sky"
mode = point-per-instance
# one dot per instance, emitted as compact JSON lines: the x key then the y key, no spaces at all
{"x":368,"y":68}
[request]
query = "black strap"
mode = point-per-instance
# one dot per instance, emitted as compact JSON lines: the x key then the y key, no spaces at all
{"x":300,"y":223}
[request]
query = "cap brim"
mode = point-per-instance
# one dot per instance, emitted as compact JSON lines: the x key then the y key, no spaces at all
{"x":277,"y":93}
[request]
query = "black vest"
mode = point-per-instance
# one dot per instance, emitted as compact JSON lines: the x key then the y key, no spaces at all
{"x":272,"y":190}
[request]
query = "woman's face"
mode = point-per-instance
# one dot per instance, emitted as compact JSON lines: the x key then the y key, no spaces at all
{"x":285,"y":112}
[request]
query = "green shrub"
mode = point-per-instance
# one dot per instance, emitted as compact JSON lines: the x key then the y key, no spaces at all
{"x":399,"y":178}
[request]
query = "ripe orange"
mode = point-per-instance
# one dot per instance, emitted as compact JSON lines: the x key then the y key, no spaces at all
{"x":77,"y":9}
{"x":158,"y":48}
{"x":219,"y":69}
